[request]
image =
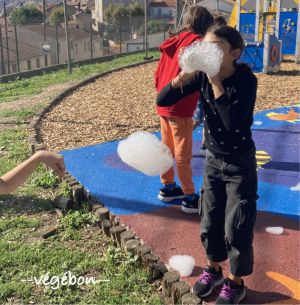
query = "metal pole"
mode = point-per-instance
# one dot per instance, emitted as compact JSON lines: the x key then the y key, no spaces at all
{"x":278,"y":18}
{"x":6,"y":39}
{"x":107,"y":41}
{"x":44,"y":30}
{"x":17,"y":48}
{"x":67,"y":37}
{"x":297,"y":53}
{"x":57,"y":47}
{"x":146,"y":21}
{"x":164,"y":29}
{"x":1,"y":50}
{"x":2,"y":55}
{"x":120,"y":35}
{"x":91,"y":40}
{"x":177,"y":13}
{"x":217,"y":6}
{"x":257,"y":15}
{"x":238,"y":7}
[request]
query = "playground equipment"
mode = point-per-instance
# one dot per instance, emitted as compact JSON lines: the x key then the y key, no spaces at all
{"x":255,"y":18}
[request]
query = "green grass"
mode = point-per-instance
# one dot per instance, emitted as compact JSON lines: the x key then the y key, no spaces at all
{"x":21,"y":261}
{"x":29,"y":86}
{"x":22,"y":113}
{"x":78,"y":246}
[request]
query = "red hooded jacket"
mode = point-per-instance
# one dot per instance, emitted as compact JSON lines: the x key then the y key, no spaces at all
{"x":168,"y":68}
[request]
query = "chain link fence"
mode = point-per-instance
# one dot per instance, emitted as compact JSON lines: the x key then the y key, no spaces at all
{"x":26,"y":47}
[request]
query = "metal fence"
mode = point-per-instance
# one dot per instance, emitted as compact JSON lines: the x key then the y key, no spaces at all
{"x":38,"y":45}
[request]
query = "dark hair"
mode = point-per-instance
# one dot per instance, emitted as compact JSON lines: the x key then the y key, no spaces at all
{"x":220,"y":20}
{"x":233,"y":37}
{"x":198,"y":18}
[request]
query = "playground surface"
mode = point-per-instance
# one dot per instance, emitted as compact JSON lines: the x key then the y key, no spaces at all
{"x":132,"y":196}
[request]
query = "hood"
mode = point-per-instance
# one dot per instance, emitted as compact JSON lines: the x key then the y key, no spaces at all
{"x":171,"y":45}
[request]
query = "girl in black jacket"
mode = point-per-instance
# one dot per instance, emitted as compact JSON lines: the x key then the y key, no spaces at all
{"x":229,"y":192}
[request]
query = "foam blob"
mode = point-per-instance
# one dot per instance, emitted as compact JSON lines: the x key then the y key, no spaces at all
{"x":144,"y":152}
{"x":184,"y":264}
{"x":203,"y":56}
{"x":296,"y":188}
{"x":258,"y":123}
{"x":274,"y":230}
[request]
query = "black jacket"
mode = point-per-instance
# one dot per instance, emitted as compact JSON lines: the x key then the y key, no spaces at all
{"x":227,"y":119}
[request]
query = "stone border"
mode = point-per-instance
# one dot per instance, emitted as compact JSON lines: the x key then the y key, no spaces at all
{"x":174,"y":291}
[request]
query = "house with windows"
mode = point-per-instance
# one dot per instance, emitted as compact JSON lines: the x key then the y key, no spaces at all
{"x":30,"y":40}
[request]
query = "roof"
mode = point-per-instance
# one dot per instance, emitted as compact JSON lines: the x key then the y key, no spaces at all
{"x":26,"y":50}
{"x":74,"y":34}
{"x":162,"y":3}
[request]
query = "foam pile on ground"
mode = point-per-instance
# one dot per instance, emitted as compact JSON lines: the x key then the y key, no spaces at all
{"x":144,"y":152}
{"x":202,"y":56}
{"x":184,"y":264}
{"x":274,"y":230}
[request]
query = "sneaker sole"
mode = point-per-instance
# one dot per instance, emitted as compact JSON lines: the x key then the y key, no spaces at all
{"x":242,"y":297}
{"x":189,"y":210}
{"x":169,"y":199}
{"x":216,"y":284}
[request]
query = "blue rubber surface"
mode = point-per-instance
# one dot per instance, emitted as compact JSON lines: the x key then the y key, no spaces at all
{"x":126,"y":191}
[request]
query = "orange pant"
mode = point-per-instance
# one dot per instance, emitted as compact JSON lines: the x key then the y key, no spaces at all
{"x":177,"y":134}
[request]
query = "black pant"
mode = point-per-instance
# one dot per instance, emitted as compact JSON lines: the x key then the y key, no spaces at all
{"x":228,"y":209}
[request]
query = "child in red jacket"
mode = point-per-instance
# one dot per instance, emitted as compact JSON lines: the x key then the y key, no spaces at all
{"x":177,"y":120}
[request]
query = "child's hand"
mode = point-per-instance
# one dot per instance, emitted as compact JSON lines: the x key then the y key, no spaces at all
{"x":52,"y":160}
{"x":184,"y":76}
{"x":214,"y":80}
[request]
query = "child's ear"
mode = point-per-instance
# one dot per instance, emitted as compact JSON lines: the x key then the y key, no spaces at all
{"x":236,"y":53}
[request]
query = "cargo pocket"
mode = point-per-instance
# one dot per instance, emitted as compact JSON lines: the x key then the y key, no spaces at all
{"x":246,"y":214}
{"x":200,"y":203}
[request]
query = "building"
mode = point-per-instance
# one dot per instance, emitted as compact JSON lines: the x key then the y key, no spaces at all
{"x":29,"y":57}
{"x":98,"y":12}
{"x":162,"y":8}
{"x":30,"y":38}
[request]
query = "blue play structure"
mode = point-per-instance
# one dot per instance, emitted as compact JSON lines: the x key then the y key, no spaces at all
{"x":270,"y":29}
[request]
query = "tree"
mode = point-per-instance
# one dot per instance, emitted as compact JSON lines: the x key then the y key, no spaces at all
{"x":57,"y":16}
{"x":153,"y":26}
{"x":27,"y":14}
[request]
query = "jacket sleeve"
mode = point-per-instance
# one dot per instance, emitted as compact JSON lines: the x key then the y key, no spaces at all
{"x":169,"y":96}
{"x":235,"y":109}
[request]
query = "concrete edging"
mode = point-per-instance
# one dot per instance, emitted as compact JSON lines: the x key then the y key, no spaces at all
{"x":174,"y":291}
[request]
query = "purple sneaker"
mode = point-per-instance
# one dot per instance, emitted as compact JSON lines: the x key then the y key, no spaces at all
{"x":208,"y":280}
{"x":231,"y":293}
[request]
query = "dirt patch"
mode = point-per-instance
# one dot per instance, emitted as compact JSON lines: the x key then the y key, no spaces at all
{"x":123,"y":102}
{"x":28,"y":102}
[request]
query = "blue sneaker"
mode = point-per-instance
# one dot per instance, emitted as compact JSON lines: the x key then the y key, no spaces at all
{"x":170,"y":192}
{"x":190,"y":204}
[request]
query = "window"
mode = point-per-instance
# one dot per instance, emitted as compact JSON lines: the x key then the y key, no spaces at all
{"x":76,"y":48}
{"x":29,"y":64}
{"x":71,"y":45}
{"x":38,"y":65}
{"x":85,"y":46}
{"x":93,"y":47}
{"x":14,"y":68}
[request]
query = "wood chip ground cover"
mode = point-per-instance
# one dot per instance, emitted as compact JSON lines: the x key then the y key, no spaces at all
{"x":116,"y":105}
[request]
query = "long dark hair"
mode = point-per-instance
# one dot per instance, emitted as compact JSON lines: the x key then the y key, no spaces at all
{"x":233,"y":37}
{"x":198,"y":18}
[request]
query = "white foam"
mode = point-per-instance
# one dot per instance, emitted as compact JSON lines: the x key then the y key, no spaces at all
{"x":202,"y":56}
{"x":257,"y":122}
{"x":184,"y":264}
{"x":144,"y":152}
{"x":274,"y":230}
{"x":296,"y":188}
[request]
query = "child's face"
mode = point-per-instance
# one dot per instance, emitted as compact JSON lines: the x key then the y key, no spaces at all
{"x":230,"y":55}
